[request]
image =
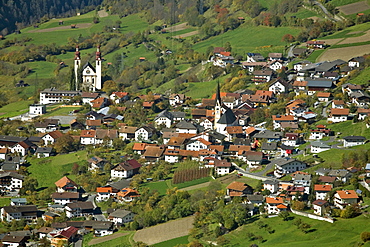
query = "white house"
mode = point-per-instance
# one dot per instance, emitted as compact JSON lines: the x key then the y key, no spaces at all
{"x":338,"y":115}
{"x":321,"y":191}
{"x":318,"y":147}
{"x":51,"y":137}
{"x":125,"y":169}
{"x":350,"y":141}
{"x":271,"y":185}
{"x":198,"y":144}
{"x":287,"y":165}
{"x":121,"y":216}
{"x":37,"y":109}
{"x":164,"y":118}
{"x":345,"y":197}
{"x":274,"y":205}
{"x":144,"y":133}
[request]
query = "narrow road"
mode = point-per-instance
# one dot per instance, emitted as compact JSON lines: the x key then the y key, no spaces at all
{"x":326,"y":12}
{"x":257,"y":175}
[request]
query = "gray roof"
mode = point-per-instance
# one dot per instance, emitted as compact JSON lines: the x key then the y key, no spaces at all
{"x":354,"y":138}
{"x":269,"y":146}
{"x":298,"y":177}
{"x":338,"y":173}
{"x":19,"y":200}
{"x":123,"y":183}
{"x":320,"y":144}
{"x":98,"y":225}
{"x":283,"y":161}
{"x":11,"y":174}
{"x":255,"y":197}
{"x":327,"y":83}
{"x":185,"y":125}
{"x":165,"y":114}
{"x":44,"y":150}
{"x":120,"y":213}
{"x":228,"y":117}
{"x":268,"y":134}
{"x":178,"y":114}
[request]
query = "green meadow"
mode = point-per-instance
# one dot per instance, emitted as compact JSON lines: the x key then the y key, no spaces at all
{"x":342,"y":233}
{"x":247,"y":38}
{"x":49,"y":170}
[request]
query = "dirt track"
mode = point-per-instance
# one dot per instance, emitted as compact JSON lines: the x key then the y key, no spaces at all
{"x":80,"y":25}
{"x":186,"y":34}
{"x":166,"y":231}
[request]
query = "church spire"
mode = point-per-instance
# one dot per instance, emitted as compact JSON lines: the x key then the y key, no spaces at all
{"x":218,"y":96}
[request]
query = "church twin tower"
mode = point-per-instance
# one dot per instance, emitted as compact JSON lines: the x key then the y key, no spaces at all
{"x":91,"y":77}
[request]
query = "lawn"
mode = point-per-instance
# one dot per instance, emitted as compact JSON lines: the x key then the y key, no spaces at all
{"x":160,"y":186}
{"x":42,"y":69}
{"x":173,"y":242}
{"x":303,"y":13}
{"x":4,"y":201}
{"x":191,"y":183}
{"x":344,"y":232}
{"x":61,"y":111}
{"x":353,"y":31}
{"x":349,"y":128}
{"x":48,"y":170}
{"x":338,"y":3}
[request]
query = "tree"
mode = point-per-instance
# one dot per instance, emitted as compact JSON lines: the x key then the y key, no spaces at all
{"x":64,"y":144}
{"x":29,"y":184}
{"x":284,"y":215}
{"x":365,"y":236}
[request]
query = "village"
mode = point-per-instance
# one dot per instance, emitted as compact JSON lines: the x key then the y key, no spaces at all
{"x":221,"y":134}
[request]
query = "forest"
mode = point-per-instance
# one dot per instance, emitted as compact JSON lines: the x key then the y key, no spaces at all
{"x":17,"y":14}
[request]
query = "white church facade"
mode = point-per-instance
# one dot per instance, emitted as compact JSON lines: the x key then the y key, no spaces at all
{"x":91,"y":77}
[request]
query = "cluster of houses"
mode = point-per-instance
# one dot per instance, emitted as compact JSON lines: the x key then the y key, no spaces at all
{"x":281,"y":194}
{"x":218,"y":132}
{"x":67,"y":198}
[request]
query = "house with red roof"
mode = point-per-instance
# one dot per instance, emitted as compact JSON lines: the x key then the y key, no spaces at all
{"x":275,"y":205}
{"x":51,"y":137}
{"x":338,"y":115}
{"x":66,"y":184}
{"x":125,"y":169}
{"x":322,"y":190}
{"x":238,"y":189}
{"x":345,"y":197}
{"x":127,"y":195}
{"x":119,"y":97}
{"x":64,"y":237}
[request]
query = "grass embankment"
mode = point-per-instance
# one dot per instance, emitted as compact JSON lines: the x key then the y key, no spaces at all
{"x":14,"y":109}
{"x":173,"y":242}
{"x":344,"y":232}
{"x":49,"y":170}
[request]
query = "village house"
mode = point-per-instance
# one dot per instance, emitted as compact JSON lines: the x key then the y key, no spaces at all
{"x":279,"y":86}
{"x":47,"y":125}
{"x":316,"y":44}
{"x":42,"y":152}
{"x":99,"y":228}
{"x":320,"y":132}
{"x":351,"y":141}
{"x":52,"y":95}
{"x":79,"y":209}
{"x":238,"y":189}
{"x":284,"y":166}
{"x":119,"y":97}
{"x":127,"y":132}
{"x":51,"y":137}
{"x":125,"y":169}
{"x":96,"y":163}
{"x":262,"y":76}
{"x":356,"y":61}
{"x":176,"y":99}
{"x":342,"y":198}
{"x":127,"y":195}
{"x":14,"y":241}
{"x":144,"y":133}
{"x":321,"y":191}
{"x":10,"y":181}
{"x":87,"y":97}
{"x":64,"y":236}
{"x":318,"y":147}
{"x":65,"y":197}
{"x":104,"y":193}
{"x":66,"y":185}
{"x":338,"y":104}
{"x":271,"y":185}
{"x":277,"y":120}
{"x":121,"y":216}
{"x":26,"y":212}
{"x":319,"y":206}
{"x":275,"y":205}
{"x":338,"y":115}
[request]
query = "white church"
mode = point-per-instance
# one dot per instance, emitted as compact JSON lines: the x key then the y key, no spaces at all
{"x":224,"y":116}
{"x":91,"y":77}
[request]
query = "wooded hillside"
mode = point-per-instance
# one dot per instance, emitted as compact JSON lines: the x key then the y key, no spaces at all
{"x":15,"y":15}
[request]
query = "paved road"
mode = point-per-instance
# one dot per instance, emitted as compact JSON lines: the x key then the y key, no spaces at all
{"x":326,"y":12}
{"x":257,"y":175}
{"x":98,"y":214}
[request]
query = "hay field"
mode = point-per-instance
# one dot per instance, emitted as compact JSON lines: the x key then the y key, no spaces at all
{"x":351,"y":40}
{"x":354,"y":8}
{"x":344,"y":53}
{"x":166,"y":231}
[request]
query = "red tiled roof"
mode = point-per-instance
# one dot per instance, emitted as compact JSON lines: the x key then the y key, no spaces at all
{"x":347,"y":194}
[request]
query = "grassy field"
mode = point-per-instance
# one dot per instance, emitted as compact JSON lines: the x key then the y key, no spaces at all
{"x":162,"y":186}
{"x":303,"y":13}
{"x":173,"y":242}
{"x":362,"y":78}
{"x":348,"y":128}
{"x":14,"y":109}
{"x":344,"y":232}
{"x":353,"y":31}
{"x":260,"y":39}
{"x":4,"y":201}
{"x":62,"y":111}
{"x":122,"y":241}
{"x":344,"y":2}
{"x":48,"y":170}
{"x":315,"y":55}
